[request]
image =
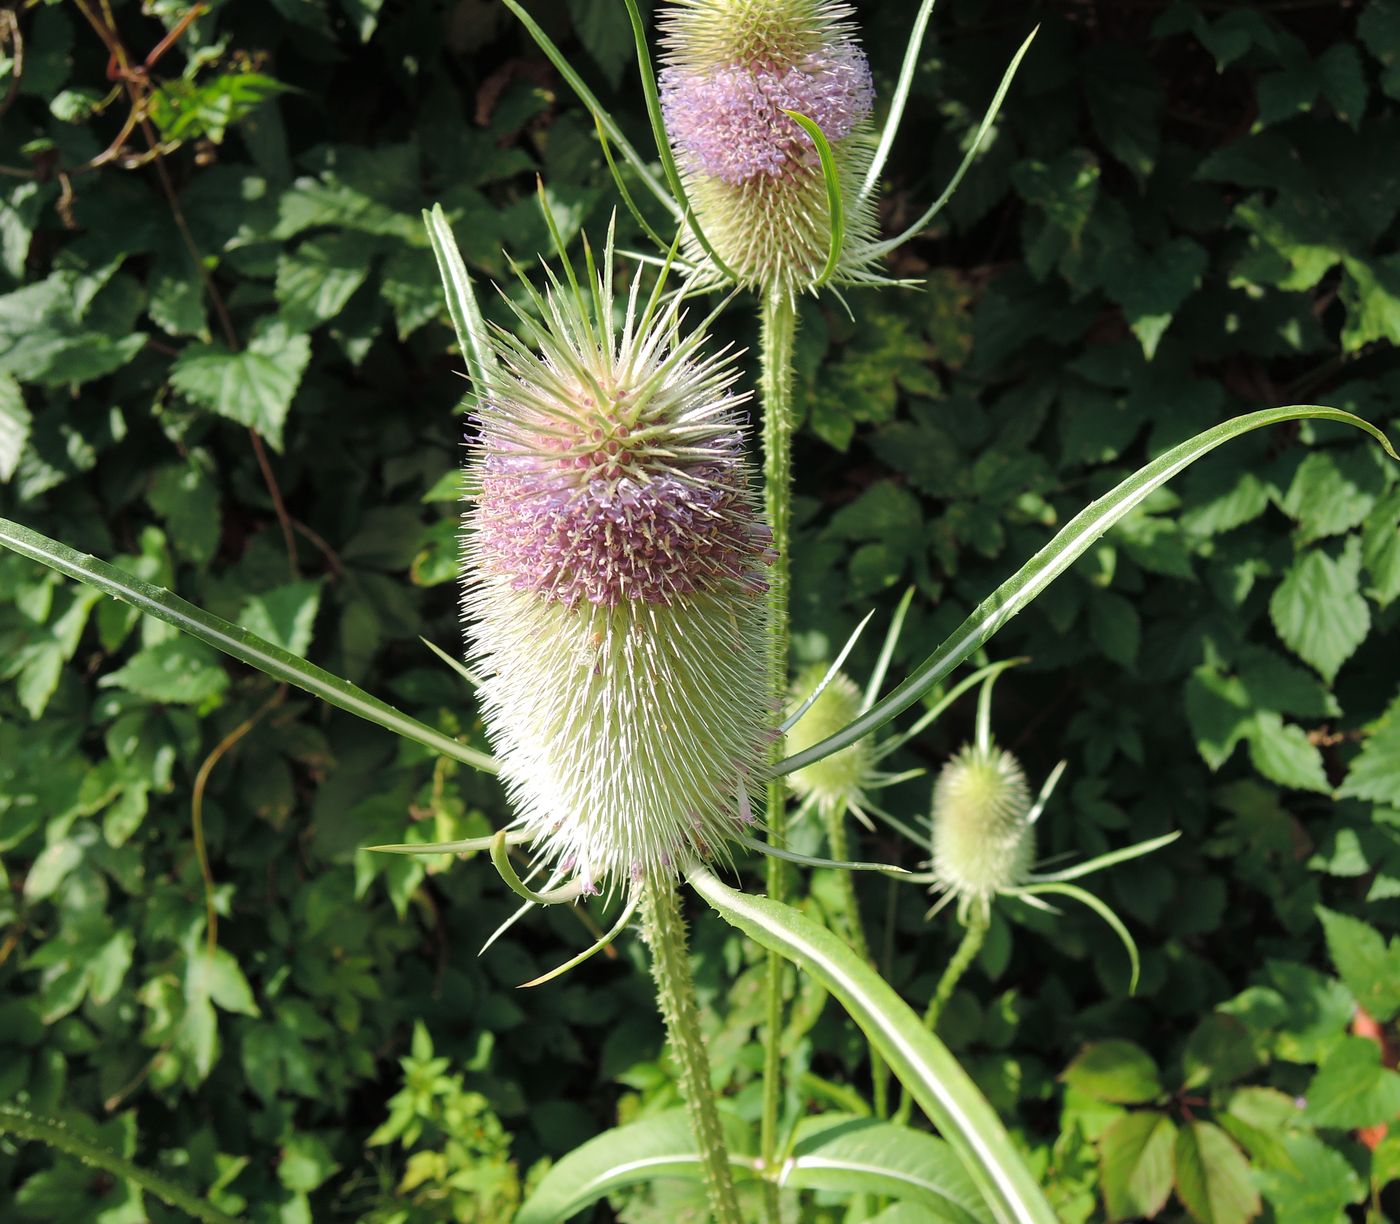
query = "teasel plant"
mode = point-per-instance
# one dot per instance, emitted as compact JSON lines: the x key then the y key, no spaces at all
{"x":770,"y":164}
{"x":981,"y":847}
{"x":542,"y":388}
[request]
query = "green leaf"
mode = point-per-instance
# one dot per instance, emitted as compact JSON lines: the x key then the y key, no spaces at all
{"x":188,"y":110}
{"x":187,"y":500}
{"x":1068,"y":545}
{"x":659,"y":1146}
{"x":1353,"y":1089}
{"x":213,"y":974}
{"x":1213,"y":1177}
{"x":318,"y":277}
{"x":254,"y":387}
{"x":1332,"y":492}
{"x":1220,"y":1050}
{"x":284,"y":616}
{"x":603,"y":36}
{"x":1283,"y":753}
{"x":1375,"y":772}
{"x":176,"y":671}
{"x":849,"y":1155}
{"x":1370,"y":290}
{"x":15,"y":420}
{"x":1316,"y":1184}
{"x":473,"y":341}
{"x":1136,"y":1155}
{"x":918,"y":1059}
{"x":1367,"y":964}
{"x":1117,"y":1071}
{"x":1380,"y":549}
{"x":233,"y":640}
{"x":1318,"y":611}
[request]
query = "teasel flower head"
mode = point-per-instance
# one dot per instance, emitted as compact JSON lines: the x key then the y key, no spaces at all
{"x":615,"y":585}
{"x":753,"y":175}
{"x":983,"y":839}
{"x":837,"y":781}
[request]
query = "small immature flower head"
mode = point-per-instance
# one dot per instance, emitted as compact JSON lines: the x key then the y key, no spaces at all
{"x":615,"y":587}
{"x":733,"y":67}
{"x":982,"y":836}
{"x":837,"y":780}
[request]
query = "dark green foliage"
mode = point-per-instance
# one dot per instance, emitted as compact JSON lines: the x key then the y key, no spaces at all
{"x":1185,"y":211}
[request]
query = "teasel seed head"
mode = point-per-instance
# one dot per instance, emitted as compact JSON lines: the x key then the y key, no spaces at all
{"x":837,"y":780}
{"x":753,"y":177}
{"x":615,"y":586}
{"x":983,"y":841}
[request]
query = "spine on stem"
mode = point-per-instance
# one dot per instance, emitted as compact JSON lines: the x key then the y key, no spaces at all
{"x":664,"y":930}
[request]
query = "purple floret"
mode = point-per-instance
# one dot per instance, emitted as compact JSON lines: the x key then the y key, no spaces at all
{"x":729,"y":122}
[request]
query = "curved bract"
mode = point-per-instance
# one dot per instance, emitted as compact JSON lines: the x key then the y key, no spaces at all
{"x":1072,"y":541}
{"x":920,"y":1061}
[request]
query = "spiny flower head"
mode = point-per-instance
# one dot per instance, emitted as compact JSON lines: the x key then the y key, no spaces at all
{"x":615,"y":585}
{"x":983,"y":841}
{"x":836,"y":781}
{"x":753,"y":176}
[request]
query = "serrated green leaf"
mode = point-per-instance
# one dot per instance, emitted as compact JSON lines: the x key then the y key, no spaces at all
{"x":1352,"y":1088}
{"x":214,"y":974}
{"x":15,"y":420}
{"x":1332,"y":492}
{"x":1117,"y":1071}
{"x":1370,"y":290}
{"x":185,"y":109}
{"x":176,"y":671}
{"x":1136,"y":1156}
{"x":1380,"y":550}
{"x":1367,"y":964}
{"x":1318,"y":610}
{"x":1317,"y":1183}
{"x":1375,"y":772}
{"x":285,"y":615}
{"x":1283,"y":753}
{"x":1213,"y":1177}
{"x":316,"y":278}
{"x":1219,"y":1051}
{"x":254,"y":387}
{"x":187,"y":500}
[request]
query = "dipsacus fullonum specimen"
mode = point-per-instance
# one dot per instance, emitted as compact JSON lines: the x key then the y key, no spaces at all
{"x":615,"y":584}
{"x":752,"y":175}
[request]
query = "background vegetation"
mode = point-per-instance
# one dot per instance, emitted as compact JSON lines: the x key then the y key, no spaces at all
{"x":224,"y":362}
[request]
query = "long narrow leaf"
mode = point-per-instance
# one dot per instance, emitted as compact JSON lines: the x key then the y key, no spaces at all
{"x":922,"y":1063}
{"x":233,"y":640}
{"x":55,"y":1134}
{"x":854,"y":1155}
{"x":1051,"y":561}
{"x":901,"y":96}
{"x":988,"y":119}
{"x":663,"y":143}
{"x":654,"y":1147}
{"x":461,"y":300}
{"x":587,"y":97}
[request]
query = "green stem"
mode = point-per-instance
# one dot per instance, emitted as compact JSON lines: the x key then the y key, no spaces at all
{"x":779,"y":327}
{"x":664,"y":930}
{"x":834,"y":818}
{"x":966,"y":953}
{"x":56,"y":1134}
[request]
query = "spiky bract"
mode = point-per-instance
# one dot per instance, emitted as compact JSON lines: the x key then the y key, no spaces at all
{"x":614,"y":593}
{"x":982,"y":838}
{"x":836,"y":780}
{"x":752,"y":175}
